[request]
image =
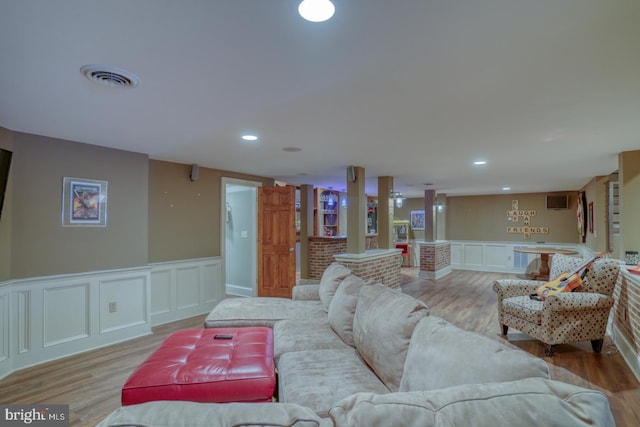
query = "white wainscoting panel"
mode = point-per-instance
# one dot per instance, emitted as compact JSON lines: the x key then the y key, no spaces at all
{"x":129,"y":295}
{"x":497,"y":256}
{"x":161,"y":291}
{"x":24,"y":320}
{"x":188,"y":281}
{"x":473,"y":255}
{"x":5,"y":332}
{"x":185,"y":288}
{"x":66,"y":313}
{"x":57,"y":316}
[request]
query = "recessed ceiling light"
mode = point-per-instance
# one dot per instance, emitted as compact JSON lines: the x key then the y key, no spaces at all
{"x":480,"y":162}
{"x":291,"y":149}
{"x":316,"y":10}
{"x":249,"y":137}
{"x":506,"y":188}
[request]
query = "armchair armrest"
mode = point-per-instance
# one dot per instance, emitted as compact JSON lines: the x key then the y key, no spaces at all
{"x":309,"y":292}
{"x":578,"y":301}
{"x":507,"y":288}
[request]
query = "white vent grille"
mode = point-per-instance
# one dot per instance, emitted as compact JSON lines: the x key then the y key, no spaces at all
{"x":109,"y":76}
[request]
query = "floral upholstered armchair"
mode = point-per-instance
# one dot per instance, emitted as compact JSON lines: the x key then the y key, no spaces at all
{"x":563,"y":318}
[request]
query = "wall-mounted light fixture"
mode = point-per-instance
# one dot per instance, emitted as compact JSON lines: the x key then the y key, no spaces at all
{"x":398,"y":198}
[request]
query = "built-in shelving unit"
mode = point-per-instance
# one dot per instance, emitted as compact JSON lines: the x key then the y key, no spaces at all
{"x":328,"y":212}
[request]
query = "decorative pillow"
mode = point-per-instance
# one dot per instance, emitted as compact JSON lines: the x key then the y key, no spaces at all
{"x":382,"y":329}
{"x":331,"y":278}
{"x":443,"y":355}
{"x":343,"y":307}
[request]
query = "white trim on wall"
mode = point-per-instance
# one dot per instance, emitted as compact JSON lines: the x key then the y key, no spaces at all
{"x":46,"y":318}
{"x":182,"y":289}
{"x":497,"y":256}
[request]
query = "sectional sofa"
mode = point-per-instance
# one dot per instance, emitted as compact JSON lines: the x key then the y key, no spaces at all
{"x":355,"y":354}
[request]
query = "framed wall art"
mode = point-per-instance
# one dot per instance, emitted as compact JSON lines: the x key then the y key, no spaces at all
{"x":417,"y":220}
{"x":84,"y":202}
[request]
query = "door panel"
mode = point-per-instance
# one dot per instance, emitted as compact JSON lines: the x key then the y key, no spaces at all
{"x":276,"y":241}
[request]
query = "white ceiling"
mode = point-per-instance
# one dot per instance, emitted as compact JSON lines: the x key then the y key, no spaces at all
{"x":546,"y":91}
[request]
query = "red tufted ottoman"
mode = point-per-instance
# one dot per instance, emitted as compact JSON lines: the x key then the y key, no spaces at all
{"x":193,"y":365}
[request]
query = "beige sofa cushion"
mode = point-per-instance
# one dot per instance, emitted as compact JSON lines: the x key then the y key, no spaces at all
{"x":317,"y":379}
{"x":261,"y":311}
{"x":343,"y":307}
{"x":382,"y":329}
{"x":308,"y":334}
{"x":331,"y":278}
{"x":189,"y":414}
{"x":533,"y":402}
{"x":443,"y":355}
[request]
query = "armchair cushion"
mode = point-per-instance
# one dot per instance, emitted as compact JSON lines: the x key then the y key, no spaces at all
{"x":524,"y":307}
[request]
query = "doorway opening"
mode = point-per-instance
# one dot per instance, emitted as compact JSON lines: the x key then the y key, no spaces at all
{"x":239,"y":231}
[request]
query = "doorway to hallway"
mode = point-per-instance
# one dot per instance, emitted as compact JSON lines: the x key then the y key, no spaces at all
{"x":239,"y":236}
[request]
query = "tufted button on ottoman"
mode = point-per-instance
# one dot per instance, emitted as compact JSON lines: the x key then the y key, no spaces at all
{"x":207,"y":365}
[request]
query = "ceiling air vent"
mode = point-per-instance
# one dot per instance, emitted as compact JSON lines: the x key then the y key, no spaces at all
{"x":109,"y":76}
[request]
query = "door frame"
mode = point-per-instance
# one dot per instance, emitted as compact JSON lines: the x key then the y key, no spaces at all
{"x":223,"y":229}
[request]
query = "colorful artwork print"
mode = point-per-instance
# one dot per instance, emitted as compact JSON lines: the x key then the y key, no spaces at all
{"x":85,"y":202}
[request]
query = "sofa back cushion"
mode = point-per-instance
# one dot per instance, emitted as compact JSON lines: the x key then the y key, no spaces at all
{"x":382,"y":327}
{"x":343,"y":307}
{"x":331,"y":278}
{"x":443,"y":355}
{"x":533,"y":402}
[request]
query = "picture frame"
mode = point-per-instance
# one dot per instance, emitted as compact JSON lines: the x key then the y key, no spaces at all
{"x":417,"y":220}
{"x":84,"y":202}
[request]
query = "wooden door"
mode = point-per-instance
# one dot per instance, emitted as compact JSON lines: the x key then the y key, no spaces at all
{"x":276,"y":241}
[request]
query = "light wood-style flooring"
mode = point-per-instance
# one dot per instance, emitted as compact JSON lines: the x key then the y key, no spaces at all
{"x":90,"y":382}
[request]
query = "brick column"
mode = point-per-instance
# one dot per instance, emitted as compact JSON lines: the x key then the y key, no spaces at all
{"x":380,"y":265}
{"x":435,"y":259}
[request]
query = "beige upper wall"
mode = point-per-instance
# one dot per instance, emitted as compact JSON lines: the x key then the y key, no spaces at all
{"x":6,"y":142}
{"x":40,"y":245}
{"x":154,"y":212}
{"x":184,"y":215}
{"x":629,"y":174}
{"x":596,"y":192}
{"x":484,"y":218}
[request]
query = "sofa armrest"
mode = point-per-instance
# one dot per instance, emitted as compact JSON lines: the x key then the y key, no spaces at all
{"x":578,"y":301}
{"x":309,"y":292}
{"x":507,"y":288}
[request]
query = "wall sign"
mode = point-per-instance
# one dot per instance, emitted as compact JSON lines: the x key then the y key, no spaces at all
{"x":526,"y":230}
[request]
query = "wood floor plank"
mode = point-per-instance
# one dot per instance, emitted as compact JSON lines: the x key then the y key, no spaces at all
{"x":91,"y":382}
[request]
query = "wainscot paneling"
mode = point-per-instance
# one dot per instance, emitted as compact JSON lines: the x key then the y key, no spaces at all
{"x":46,"y":318}
{"x":497,"y":256}
{"x":4,"y":330}
{"x":183,"y":289}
